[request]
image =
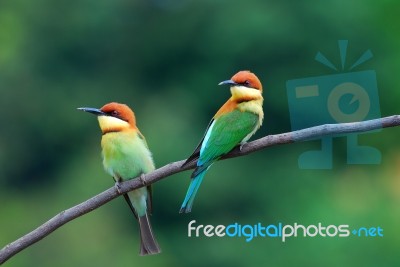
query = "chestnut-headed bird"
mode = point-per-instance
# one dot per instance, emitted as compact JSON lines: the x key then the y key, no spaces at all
{"x":234,"y":123}
{"x":126,"y":156}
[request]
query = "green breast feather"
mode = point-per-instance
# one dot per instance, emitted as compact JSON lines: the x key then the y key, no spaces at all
{"x":125,"y":155}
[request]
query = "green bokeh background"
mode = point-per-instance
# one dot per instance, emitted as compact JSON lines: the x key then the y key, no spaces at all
{"x":164,"y":58}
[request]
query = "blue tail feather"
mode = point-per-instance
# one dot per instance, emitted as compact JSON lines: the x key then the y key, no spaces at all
{"x":191,"y":193}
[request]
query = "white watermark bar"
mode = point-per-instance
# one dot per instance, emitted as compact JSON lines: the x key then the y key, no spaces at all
{"x":280,"y":230}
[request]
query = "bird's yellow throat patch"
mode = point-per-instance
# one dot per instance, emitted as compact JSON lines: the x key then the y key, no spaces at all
{"x":112,"y":124}
{"x":242,"y":92}
{"x":249,"y":100}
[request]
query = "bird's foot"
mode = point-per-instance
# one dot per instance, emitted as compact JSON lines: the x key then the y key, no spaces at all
{"x":241,"y":147}
{"x":141,"y":178}
{"x":118,"y":186}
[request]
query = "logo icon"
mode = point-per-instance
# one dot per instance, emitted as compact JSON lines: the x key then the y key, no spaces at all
{"x":347,"y":96}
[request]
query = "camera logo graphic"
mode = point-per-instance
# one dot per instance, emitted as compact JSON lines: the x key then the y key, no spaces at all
{"x":337,"y":98}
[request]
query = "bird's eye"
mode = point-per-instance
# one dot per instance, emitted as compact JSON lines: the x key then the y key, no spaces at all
{"x":246,"y":82}
{"x":114,"y":113}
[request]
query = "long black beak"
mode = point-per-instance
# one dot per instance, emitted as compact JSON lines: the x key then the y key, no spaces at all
{"x":230,"y":82}
{"x":94,"y":111}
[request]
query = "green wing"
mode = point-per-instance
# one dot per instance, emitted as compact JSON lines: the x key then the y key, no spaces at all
{"x":226,"y":132}
{"x":196,"y":153}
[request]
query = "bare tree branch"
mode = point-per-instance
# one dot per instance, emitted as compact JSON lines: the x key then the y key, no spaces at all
{"x":278,"y":139}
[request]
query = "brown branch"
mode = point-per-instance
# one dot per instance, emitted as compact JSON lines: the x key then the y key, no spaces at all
{"x":271,"y":140}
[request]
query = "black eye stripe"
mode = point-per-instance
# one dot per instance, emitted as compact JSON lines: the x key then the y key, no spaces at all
{"x":116,"y":114}
{"x":246,"y":83}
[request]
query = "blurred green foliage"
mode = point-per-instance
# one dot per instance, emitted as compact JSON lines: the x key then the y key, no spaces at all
{"x":164,"y":58}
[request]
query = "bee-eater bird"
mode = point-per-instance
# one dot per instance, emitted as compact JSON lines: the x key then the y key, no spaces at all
{"x":234,"y":123}
{"x":126,"y":156}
